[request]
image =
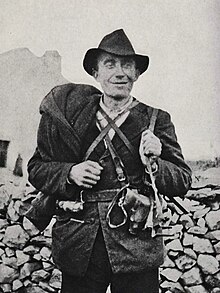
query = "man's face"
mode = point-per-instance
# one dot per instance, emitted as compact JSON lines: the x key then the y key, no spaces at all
{"x":116,"y":75}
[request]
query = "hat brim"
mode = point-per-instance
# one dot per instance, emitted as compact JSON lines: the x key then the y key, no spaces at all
{"x":90,"y":60}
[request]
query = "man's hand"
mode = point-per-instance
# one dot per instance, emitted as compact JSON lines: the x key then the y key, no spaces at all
{"x":150,"y":146}
{"x":85,"y":174}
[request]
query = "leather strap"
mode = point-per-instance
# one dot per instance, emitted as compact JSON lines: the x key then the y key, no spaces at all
{"x":118,"y":131}
{"x":153,"y":120}
{"x":105,"y":130}
{"x":119,"y":166}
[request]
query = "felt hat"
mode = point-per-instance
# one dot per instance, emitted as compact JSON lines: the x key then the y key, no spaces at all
{"x":116,"y":43}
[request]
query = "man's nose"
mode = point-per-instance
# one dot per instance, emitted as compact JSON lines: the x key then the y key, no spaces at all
{"x":119,"y":71}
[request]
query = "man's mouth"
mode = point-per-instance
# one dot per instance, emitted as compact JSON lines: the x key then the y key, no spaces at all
{"x":120,"y":83}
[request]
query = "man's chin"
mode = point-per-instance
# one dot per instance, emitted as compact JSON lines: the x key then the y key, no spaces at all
{"x":119,"y":96}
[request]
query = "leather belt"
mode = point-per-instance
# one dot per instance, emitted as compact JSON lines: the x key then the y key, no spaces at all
{"x":99,"y":196}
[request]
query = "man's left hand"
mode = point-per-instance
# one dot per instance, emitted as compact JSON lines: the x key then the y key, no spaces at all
{"x":150,"y":146}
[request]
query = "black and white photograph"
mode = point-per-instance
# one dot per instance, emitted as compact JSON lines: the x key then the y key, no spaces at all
{"x":109,"y":146}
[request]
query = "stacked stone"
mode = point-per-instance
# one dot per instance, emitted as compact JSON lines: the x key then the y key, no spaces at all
{"x":193,"y":252}
{"x":26,"y":264}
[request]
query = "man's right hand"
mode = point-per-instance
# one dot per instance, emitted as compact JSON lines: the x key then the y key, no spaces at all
{"x":85,"y":174}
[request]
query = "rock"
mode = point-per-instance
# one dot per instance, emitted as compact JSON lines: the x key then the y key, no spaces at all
{"x":22,"y":257}
{"x":46,"y":287}
{"x":31,"y":249}
{"x":34,"y":289}
{"x":45,"y":252}
{"x":171,"y":274}
{"x":17,"y":206}
{"x":174,"y":245}
{"x":192,"y":277}
{"x":17,"y":284}
{"x":16,"y":237}
{"x":217,"y":248}
{"x":42,"y":241}
{"x":29,"y":268}
{"x":213,"y":235}
{"x":48,"y":230}
{"x":39,"y":275}
{"x":201,"y":222}
{"x":29,"y":227}
{"x":200,"y":194}
{"x":201,"y":213}
{"x":197,"y":208}
{"x":201,"y":245}
{"x":213,"y":220}
{"x":215,"y":290}
{"x":4,"y":198}
{"x":174,"y":218}
{"x":7,"y":274}
{"x":47,"y":266}
{"x":213,"y":280}
{"x":174,"y":287}
{"x":196,"y":230}
{"x":27,"y":283}
{"x":187,"y":239}
{"x":208,"y":264}
{"x":184,"y":262}
{"x":190,"y":252}
{"x":1,"y":252}
{"x":173,"y":254}
{"x":186,"y":221}
{"x":3,"y":224}
{"x":55,"y":280}
{"x":9,"y":252}
{"x":6,"y":288}
{"x":10,"y":261}
{"x":196,"y":289}
{"x":214,"y":205}
{"x":12,"y":214}
{"x":168,"y":263}
{"x":37,"y":256}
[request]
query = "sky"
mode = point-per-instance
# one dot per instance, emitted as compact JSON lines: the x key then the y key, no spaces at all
{"x":181,"y":38}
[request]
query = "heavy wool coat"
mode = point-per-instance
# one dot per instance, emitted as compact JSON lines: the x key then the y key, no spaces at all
{"x":66,"y":130}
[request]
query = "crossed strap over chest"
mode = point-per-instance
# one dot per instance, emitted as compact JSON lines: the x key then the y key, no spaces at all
{"x":103,"y":135}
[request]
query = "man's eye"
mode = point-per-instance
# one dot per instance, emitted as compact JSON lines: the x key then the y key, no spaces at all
{"x":127,"y":65}
{"x":109,"y":65}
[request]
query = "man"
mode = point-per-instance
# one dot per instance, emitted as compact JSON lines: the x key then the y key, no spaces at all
{"x":91,"y":145}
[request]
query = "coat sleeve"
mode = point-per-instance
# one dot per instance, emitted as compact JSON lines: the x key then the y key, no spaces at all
{"x":47,"y":172}
{"x":174,"y":175}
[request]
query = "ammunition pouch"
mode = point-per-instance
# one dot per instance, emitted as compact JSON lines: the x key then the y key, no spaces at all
{"x":138,"y":208}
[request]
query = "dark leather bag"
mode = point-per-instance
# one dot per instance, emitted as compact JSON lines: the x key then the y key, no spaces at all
{"x":41,"y":210}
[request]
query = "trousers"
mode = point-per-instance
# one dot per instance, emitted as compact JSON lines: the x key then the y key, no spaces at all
{"x":99,"y":276}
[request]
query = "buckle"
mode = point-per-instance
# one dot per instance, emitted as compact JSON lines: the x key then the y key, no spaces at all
{"x":81,"y":197}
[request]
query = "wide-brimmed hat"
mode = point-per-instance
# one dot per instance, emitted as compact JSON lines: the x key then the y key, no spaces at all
{"x":116,"y":43}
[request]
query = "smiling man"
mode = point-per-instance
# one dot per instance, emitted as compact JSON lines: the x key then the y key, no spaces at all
{"x":105,"y":158}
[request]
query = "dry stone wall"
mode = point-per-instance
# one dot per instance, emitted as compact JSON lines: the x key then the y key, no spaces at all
{"x":193,"y":252}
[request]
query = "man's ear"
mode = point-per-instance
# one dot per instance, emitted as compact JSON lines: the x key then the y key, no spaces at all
{"x":94,"y":73}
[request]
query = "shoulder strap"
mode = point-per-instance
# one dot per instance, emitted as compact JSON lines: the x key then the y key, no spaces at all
{"x":119,"y":132}
{"x":105,"y":130}
{"x":153,"y":120}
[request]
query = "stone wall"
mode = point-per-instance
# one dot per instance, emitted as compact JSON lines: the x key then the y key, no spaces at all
{"x":193,"y":253}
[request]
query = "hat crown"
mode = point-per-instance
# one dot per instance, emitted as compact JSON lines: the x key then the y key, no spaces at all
{"x":117,"y":43}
